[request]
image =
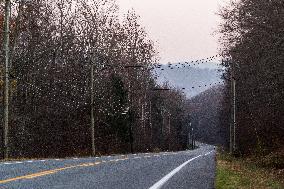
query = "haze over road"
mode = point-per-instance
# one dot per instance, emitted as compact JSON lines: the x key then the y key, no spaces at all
{"x":186,"y":169}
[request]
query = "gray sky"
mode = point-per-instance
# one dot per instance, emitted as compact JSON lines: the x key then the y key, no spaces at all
{"x":183,"y":29}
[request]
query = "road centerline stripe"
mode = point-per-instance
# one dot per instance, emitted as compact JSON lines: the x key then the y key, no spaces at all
{"x":48,"y":172}
{"x":158,"y":185}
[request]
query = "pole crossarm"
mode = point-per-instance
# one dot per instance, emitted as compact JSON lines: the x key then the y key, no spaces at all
{"x":134,"y":66}
{"x":157,"y":89}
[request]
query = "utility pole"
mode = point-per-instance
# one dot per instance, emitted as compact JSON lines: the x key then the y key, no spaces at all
{"x":234,"y":114}
{"x":163,"y":111}
{"x":92,"y":111}
{"x":130,"y":113}
{"x":131,"y":132}
{"x":233,"y":111}
{"x":192,"y":137}
{"x":169,"y":121}
{"x":130,"y":104}
{"x":150,"y":120}
{"x":6,"y":92}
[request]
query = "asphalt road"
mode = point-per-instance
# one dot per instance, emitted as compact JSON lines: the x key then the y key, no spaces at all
{"x":186,"y":169}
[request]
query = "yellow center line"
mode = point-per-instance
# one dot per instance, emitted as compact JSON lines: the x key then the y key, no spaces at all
{"x":49,"y":172}
{"x":54,"y":171}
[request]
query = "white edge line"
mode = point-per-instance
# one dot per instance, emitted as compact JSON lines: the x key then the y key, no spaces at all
{"x":161,"y":182}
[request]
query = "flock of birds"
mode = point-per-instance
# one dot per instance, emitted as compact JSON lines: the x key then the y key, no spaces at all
{"x":190,"y":64}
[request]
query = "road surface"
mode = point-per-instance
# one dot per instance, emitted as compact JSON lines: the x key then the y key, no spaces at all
{"x":186,"y":169}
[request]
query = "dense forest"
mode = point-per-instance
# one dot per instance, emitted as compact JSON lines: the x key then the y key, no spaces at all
{"x":209,"y":117}
{"x":71,"y":58}
{"x":252,"y":48}
{"x":252,"y":38}
{"x":55,"y":49}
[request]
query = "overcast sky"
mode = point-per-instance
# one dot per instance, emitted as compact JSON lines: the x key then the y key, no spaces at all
{"x":183,"y":29}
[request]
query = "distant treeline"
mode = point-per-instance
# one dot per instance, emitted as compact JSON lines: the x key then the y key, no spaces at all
{"x":252,"y":41}
{"x":53,"y":44}
{"x":210,"y":118}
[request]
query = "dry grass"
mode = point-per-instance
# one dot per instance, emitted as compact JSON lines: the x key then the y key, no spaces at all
{"x":243,"y":173}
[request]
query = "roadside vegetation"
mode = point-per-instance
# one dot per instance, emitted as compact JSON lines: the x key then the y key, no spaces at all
{"x":246,"y":173}
{"x":74,"y":59}
{"x":251,"y":35}
{"x":252,"y":39}
{"x":252,"y":43}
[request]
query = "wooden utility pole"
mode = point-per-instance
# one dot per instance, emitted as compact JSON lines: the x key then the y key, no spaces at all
{"x":170,"y":134}
{"x":234,"y":114}
{"x":92,"y":111}
{"x":233,"y":110}
{"x":131,"y":138}
{"x":192,"y":137}
{"x":6,"y":89}
{"x":150,"y":123}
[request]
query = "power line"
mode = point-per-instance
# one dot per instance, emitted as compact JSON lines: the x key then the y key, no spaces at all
{"x":187,"y":63}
